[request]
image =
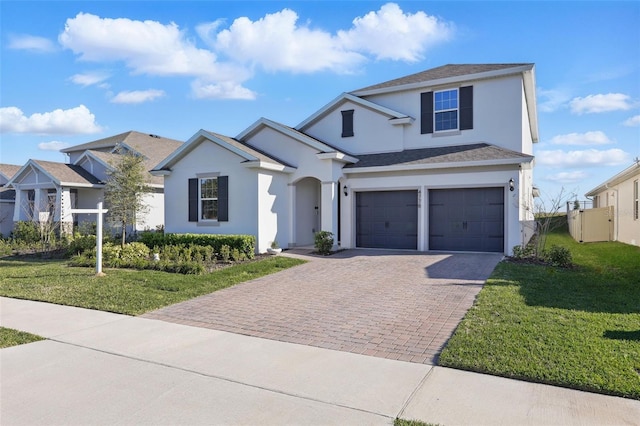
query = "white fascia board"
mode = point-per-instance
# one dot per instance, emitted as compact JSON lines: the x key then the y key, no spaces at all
{"x":257,"y":164}
{"x":401,"y":121}
{"x":617,"y":179}
{"x":164,"y":172}
{"x":446,"y":81}
{"x":300,"y":137}
{"x":192,"y":143}
{"x":529,"y":80}
{"x":91,"y":156}
{"x":81,"y":185}
{"x":33,"y":166}
{"x":434,"y":166}
{"x":344,"y":97}
{"x":334,"y":155}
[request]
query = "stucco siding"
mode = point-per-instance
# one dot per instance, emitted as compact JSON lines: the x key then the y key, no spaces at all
{"x":372,"y":131}
{"x":620,"y":196}
{"x":209,"y":158}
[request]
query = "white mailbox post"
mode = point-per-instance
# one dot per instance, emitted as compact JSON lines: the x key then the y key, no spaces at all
{"x":99,"y":212}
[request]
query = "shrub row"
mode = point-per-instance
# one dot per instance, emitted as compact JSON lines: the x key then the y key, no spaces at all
{"x":245,"y":244}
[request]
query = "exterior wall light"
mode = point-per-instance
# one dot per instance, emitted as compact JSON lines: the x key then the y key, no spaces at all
{"x":345,"y":190}
{"x":512,"y":185}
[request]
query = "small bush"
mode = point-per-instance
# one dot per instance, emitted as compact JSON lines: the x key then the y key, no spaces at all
{"x":133,"y":252}
{"x":246,"y":244}
{"x":225,"y":253}
{"x":80,"y":244}
{"x":5,"y":248}
{"x":520,"y":252}
{"x":324,"y":242}
{"x":26,"y":232}
{"x":559,"y":256}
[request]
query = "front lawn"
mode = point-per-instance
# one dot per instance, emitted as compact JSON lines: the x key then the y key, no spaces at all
{"x":130,"y":292}
{"x":10,"y":337}
{"x":578,"y":328}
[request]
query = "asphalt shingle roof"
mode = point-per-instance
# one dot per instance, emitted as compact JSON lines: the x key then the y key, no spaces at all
{"x":68,"y":173}
{"x":445,"y":71}
{"x":259,"y":154}
{"x":9,"y":170}
{"x":445,"y":154}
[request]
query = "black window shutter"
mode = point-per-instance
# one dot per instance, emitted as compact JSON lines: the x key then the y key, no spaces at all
{"x":223,"y":198}
{"x":466,"y":108}
{"x":347,"y":123}
{"x":426,"y":112}
{"x":193,"y":200}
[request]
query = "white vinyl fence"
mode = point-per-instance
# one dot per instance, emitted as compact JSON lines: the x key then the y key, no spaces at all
{"x":591,"y":225}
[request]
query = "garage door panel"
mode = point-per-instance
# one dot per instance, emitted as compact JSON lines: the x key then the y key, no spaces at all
{"x":466,"y":219}
{"x":387,"y":219}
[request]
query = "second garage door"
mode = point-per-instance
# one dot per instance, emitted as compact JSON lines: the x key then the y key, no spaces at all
{"x":466,"y":219}
{"x":387,"y":219}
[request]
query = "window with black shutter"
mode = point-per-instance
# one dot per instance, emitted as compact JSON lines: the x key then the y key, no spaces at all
{"x":209,"y":199}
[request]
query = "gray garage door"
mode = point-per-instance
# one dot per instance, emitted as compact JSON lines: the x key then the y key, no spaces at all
{"x":387,"y":219}
{"x":469,"y":219}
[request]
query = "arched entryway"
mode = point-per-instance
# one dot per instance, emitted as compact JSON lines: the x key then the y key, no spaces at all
{"x":307,"y":211}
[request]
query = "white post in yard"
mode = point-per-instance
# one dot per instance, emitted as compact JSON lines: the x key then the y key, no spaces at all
{"x":99,"y":212}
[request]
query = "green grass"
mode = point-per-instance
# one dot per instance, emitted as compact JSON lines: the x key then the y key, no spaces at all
{"x":10,"y":337}
{"x":578,"y":328}
{"x":122,"y":291}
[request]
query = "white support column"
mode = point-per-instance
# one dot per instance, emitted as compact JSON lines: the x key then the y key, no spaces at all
{"x":292,"y":216}
{"x":329,"y":210}
{"x":17,"y":208}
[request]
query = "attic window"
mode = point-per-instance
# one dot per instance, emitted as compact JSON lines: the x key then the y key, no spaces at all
{"x":347,"y":123}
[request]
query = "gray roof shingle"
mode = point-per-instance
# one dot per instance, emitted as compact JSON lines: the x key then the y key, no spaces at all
{"x":68,"y":173}
{"x":445,"y":154}
{"x":445,"y":71}
{"x":9,"y":170}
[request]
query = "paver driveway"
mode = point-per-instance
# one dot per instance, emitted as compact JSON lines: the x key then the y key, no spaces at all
{"x":390,"y":304}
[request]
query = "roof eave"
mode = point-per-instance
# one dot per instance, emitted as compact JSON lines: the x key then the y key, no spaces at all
{"x":257,"y":164}
{"x":615,"y":180}
{"x":447,"y":80}
{"x":435,"y":166}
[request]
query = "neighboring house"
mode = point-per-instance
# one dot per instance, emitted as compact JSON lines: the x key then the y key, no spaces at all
{"x":438,"y":160}
{"x":7,"y":198}
{"x":621,"y":192}
{"x":45,"y":188}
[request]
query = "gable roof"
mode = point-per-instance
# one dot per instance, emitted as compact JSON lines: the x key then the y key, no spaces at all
{"x":348,"y":97}
{"x":60,"y":173}
{"x":456,"y":72}
{"x":250,"y":154}
{"x":446,"y":156}
{"x":155,"y":148}
{"x":9,"y":170}
{"x":460,"y":73}
{"x":633,"y":170}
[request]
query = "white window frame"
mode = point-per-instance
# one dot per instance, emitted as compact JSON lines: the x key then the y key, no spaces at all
{"x":201,"y":199}
{"x":437,"y":111}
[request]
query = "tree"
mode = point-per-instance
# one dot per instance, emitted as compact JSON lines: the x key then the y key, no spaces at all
{"x":124,"y":191}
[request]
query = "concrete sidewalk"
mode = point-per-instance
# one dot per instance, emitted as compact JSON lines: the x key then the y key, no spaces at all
{"x":101,"y":368}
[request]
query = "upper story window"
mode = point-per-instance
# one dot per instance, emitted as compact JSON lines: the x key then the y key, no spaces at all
{"x":445,"y":108}
{"x":347,"y":123}
{"x":209,"y":199}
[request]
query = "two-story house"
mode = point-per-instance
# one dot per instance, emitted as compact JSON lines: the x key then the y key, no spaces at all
{"x":438,"y":160}
{"x":48,"y":191}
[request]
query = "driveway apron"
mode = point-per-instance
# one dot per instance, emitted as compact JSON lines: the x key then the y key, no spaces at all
{"x":390,"y":304}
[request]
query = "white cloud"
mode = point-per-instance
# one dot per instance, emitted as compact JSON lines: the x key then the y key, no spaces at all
{"x":52,"y":146}
{"x":585,"y":158}
{"x":137,"y":96}
{"x":277,"y":43}
{"x":392,"y":34}
{"x":567,"y":177}
{"x":632,"y":121}
{"x":601,"y":103}
{"x":78,"y":120}
{"x":147,"y":47}
{"x":89,"y":78}
{"x":550,"y":100}
{"x":225,"y":90}
{"x":31,"y":43}
{"x":588,"y":138}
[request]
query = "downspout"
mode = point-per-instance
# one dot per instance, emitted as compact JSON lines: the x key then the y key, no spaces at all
{"x":617,"y":212}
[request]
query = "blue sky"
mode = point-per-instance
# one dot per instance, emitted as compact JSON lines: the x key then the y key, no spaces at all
{"x":73,"y":72}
